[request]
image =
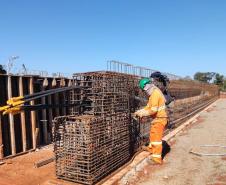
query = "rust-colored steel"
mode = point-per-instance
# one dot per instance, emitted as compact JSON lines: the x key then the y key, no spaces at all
{"x":89,"y":147}
{"x":101,"y":135}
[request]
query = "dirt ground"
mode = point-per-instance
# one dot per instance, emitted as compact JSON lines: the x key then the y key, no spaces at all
{"x":184,"y":168}
{"x":21,"y":171}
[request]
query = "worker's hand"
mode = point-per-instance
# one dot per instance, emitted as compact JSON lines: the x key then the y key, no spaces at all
{"x":142,"y":113}
{"x":135,"y":116}
{"x":138,"y":114}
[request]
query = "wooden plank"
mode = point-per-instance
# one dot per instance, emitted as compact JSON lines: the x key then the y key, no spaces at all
{"x":56,"y":101}
{"x":44,"y":120}
{"x":11,"y":119}
{"x":50,"y":115}
{"x":62,"y":84}
{"x":56,"y":98}
{"x":33,"y":115}
{"x":43,"y":162}
{"x":63,"y":102}
{"x":1,"y":143}
{"x":18,"y":154}
{"x":22,"y":117}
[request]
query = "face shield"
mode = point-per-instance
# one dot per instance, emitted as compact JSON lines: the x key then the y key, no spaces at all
{"x":147,"y":88}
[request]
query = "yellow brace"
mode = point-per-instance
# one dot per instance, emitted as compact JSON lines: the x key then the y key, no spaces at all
{"x":13,"y":110}
{"x":20,"y":102}
{"x":13,"y":105}
{"x":3,"y":108}
{"x":14,"y":99}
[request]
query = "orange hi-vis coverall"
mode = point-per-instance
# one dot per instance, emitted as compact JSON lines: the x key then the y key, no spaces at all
{"x":156,"y":109}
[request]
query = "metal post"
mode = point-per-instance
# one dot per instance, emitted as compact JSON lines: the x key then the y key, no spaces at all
{"x":1,"y":143}
{"x":44,"y":121}
{"x":22,"y":117}
{"x":33,"y":115}
{"x":11,"y":119}
{"x":50,"y":115}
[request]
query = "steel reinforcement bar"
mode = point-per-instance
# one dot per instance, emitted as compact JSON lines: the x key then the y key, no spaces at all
{"x":100,"y":137}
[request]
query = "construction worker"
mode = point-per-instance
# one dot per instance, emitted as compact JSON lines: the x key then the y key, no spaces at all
{"x":156,"y":109}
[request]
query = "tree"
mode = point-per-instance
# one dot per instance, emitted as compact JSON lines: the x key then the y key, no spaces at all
{"x":204,"y":77}
{"x":224,"y":85}
{"x":219,"y":79}
{"x":2,"y":70}
{"x":212,"y":77}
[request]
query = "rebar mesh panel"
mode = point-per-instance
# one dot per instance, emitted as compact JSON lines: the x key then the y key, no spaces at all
{"x":88,"y":148}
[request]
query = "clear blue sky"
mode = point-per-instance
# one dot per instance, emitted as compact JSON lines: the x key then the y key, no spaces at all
{"x":177,"y":36}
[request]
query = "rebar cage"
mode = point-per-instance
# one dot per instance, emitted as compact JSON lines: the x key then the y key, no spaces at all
{"x":100,"y":135}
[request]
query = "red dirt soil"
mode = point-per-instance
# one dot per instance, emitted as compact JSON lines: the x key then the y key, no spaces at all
{"x":21,"y":171}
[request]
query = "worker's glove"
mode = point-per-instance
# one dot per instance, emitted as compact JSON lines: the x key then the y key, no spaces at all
{"x":137,"y":114}
{"x":142,"y":113}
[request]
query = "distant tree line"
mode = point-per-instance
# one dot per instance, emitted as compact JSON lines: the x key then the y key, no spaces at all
{"x":2,"y":70}
{"x":206,"y":77}
{"x":211,"y":77}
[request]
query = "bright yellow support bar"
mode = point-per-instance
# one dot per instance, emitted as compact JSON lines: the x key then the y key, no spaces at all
{"x":14,"y":99}
{"x":13,"y":110}
{"x":3,"y":108}
{"x":20,"y":102}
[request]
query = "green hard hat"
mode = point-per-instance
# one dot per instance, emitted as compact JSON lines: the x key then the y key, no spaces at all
{"x":143,"y":82}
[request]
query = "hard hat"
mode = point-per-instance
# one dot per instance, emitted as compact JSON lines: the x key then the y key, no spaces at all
{"x":159,"y":76}
{"x":156,"y":74}
{"x":143,"y":82}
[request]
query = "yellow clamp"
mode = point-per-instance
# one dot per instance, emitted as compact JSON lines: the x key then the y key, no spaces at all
{"x":14,"y":99}
{"x":3,"y":108}
{"x":20,"y":102}
{"x":13,"y":110}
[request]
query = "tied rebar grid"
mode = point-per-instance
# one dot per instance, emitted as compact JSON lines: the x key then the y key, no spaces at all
{"x":110,"y":93}
{"x":100,"y":136}
{"x":89,"y":147}
{"x":105,"y":92}
{"x":105,"y":122}
{"x":181,"y":89}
